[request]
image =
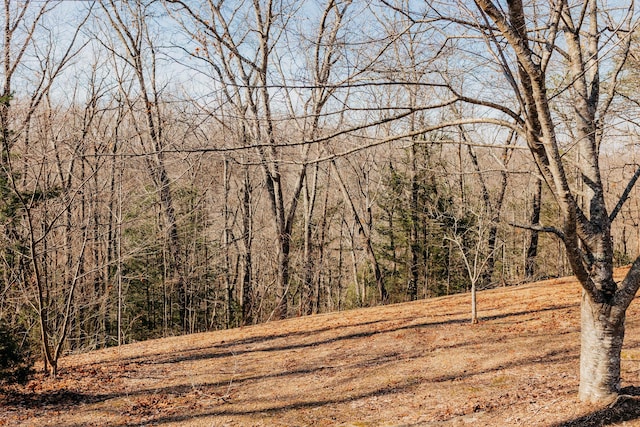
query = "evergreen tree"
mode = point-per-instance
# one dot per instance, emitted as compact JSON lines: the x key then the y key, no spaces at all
{"x":417,"y":216}
{"x":15,"y":359}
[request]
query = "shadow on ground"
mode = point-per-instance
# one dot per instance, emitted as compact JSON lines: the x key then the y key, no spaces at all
{"x":266,"y":344}
{"x":59,"y":398}
{"x":625,"y":408}
{"x":270,"y":342}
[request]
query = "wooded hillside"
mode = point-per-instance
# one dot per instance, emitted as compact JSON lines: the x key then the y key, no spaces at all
{"x":172,"y":168}
{"x":420,"y":363}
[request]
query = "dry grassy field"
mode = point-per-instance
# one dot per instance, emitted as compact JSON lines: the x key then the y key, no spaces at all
{"x":412,"y":364}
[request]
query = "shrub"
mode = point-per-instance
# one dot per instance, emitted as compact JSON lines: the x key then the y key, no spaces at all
{"x":16,"y":363}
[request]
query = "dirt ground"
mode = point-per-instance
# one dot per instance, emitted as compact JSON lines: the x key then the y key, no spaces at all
{"x":412,"y":364}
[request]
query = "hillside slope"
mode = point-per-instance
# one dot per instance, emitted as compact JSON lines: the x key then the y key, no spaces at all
{"x":409,"y":364}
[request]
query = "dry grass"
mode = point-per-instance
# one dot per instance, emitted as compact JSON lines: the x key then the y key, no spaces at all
{"x":409,"y":364}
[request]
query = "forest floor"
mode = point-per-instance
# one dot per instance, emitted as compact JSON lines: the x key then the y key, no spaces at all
{"x":411,"y":364}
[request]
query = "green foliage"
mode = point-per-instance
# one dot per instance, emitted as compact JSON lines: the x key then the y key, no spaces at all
{"x":157,"y":301}
{"x":235,"y":319}
{"x":418,"y":214}
{"x":621,"y":258}
{"x":16,"y":364}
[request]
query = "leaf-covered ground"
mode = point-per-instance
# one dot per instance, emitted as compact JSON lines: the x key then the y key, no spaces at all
{"x":413,"y":364}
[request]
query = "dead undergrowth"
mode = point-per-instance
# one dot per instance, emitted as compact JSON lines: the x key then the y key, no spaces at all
{"x":413,"y":364}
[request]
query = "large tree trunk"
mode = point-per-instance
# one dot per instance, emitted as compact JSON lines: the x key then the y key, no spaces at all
{"x":601,"y":345}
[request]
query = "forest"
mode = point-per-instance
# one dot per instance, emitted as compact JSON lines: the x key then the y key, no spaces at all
{"x":171,"y":167}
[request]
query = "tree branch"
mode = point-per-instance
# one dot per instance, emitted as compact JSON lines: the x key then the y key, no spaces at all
{"x":625,"y":195}
{"x":628,"y":288}
{"x":539,"y":228}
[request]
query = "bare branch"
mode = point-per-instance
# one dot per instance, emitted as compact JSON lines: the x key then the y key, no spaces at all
{"x":539,"y":228}
{"x":625,"y":195}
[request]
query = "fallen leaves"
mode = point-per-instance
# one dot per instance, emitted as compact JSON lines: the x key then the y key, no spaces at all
{"x":400,"y":364}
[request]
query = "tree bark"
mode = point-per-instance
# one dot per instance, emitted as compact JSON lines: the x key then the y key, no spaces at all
{"x":413,"y":232}
{"x":247,"y":240}
{"x":532,"y":249}
{"x":306,"y":297}
{"x":602,"y":334}
{"x":474,"y":304}
{"x":586,"y":235}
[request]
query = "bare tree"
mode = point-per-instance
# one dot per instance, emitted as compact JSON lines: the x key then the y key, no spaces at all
{"x":586,"y":234}
{"x":30,"y":187}
{"x":325,"y":53}
{"x":242,"y":60}
{"x":363,"y":223}
{"x":471,"y":237}
{"x":130,"y":23}
{"x":492,"y":205}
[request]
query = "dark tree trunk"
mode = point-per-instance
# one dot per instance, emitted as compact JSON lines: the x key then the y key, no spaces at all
{"x":532,"y":249}
{"x":247,"y":239}
{"x":413,"y":237}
